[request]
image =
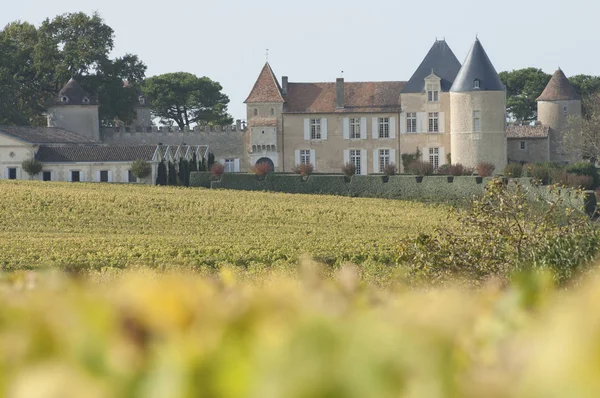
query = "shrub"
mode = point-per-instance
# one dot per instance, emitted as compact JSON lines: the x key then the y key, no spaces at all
{"x":217,"y":170}
{"x":580,"y":181}
{"x":141,"y":169}
{"x":408,"y":158}
{"x":32,"y":166}
{"x":513,"y":170}
{"x":420,"y":168}
{"x":161,"y":174}
{"x":485,"y":169}
{"x":304,"y":169}
{"x":540,"y":173}
{"x":444,"y":169}
{"x":458,"y":170}
{"x":585,"y":169}
{"x":349,"y":169}
{"x":390,"y":169}
{"x":262,"y":169}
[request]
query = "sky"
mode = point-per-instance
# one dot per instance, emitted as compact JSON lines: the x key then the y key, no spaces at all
{"x":314,"y":40}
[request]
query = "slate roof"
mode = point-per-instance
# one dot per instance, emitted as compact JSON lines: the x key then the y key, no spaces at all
{"x":263,"y":122}
{"x":441,"y":60}
{"x":559,"y":89}
{"x":358,"y":97}
{"x":75,"y":95}
{"x":95,"y":153}
{"x":266,"y":88}
{"x":477,"y":66}
{"x":515,"y":131}
{"x":44,"y":135}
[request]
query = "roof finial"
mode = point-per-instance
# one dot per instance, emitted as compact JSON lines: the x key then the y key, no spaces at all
{"x":476,"y":36}
{"x":267,"y":55}
{"x":342,"y":74}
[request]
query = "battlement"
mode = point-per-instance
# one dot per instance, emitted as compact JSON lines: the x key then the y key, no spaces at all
{"x":170,"y":129}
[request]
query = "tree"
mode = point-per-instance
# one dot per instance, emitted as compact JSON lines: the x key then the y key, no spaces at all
{"x":141,"y":169}
{"x":185,"y":99}
{"x":581,"y":138}
{"x":523,"y":87}
{"x":161,"y":174}
{"x":172,"y":175}
{"x":37,"y":62}
{"x":194,"y":163}
{"x":210,"y":161}
{"x":586,"y":86}
{"x":32,"y":167}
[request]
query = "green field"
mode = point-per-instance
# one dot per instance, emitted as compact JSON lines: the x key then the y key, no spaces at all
{"x":94,"y":226}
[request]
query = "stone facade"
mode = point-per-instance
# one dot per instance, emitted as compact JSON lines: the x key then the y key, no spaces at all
{"x":528,"y":150}
{"x":81,"y":119}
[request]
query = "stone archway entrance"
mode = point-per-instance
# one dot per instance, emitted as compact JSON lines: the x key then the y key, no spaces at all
{"x":267,"y":161}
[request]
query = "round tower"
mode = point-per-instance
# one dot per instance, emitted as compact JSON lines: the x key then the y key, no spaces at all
{"x":75,"y":110}
{"x":477,"y":113}
{"x":558,"y":102}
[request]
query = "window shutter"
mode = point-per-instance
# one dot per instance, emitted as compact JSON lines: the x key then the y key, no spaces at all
{"x":363,"y":128}
{"x":346,"y":128}
{"x":82,"y":176}
{"x":236,"y":165}
{"x":98,"y":176}
{"x":313,"y":158}
{"x":363,"y":161}
{"x":393,"y":157}
{"x":392,"y":127}
{"x":70,"y":176}
{"x":403,"y":123}
{"x":421,"y":122}
{"x":307,"y":129}
{"x":376,"y":161}
{"x":18,"y":173}
{"x":375,"y":132}
{"x":441,"y":123}
{"x":426,"y":155}
{"x":6,"y":173}
{"x":297,"y":156}
{"x":110,"y":176}
{"x":324,"y":128}
{"x":442,"y":155}
{"x":346,"y":156}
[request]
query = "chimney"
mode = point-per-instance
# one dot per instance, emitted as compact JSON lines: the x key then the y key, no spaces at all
{"x":238,"y":124}
{"x":339,"y":92}
{"x":284,"y":85}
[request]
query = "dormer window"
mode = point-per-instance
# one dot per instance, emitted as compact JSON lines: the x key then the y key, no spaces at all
{"x":86,"y":100}
{"x":433,"y":92}
{"x":142,"y":100}
{"x":64,"y":98}
{"x":476,"y":83}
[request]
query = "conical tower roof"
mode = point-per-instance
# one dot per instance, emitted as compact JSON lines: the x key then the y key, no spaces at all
{"x":559,"y":89}
{"x":439,"y":60}
{"x":266,"y":88}
{"x":477,"y":67}
{"x":73,"y":94}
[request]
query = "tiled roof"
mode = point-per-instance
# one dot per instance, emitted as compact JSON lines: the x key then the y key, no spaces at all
{"x":95,"y":153}
{"x":440,"y":60}
{"x":266,"y":88}
{"x":559,"y":89}
{"x":477,"y":66}
{"x":263,"y":122}
{"x":515,"y":131}
{"x":358,"y":97}
{"x":44,"y":135}
{"x":74,"y":95}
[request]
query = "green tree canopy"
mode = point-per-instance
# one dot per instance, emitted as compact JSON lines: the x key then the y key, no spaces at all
{"x":37,"y":62}
{"x":523,"y":87}
{"x":185,"y":99}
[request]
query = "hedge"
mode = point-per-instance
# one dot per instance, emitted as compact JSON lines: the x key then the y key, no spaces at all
{"x":200,"y":179}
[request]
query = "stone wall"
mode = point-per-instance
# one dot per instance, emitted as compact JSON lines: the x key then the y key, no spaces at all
{"x":536,"y":150}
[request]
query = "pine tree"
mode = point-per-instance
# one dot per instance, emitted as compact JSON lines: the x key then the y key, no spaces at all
{"x":172,"y":177}
{"x":194,"y":163}
{"x":211,"y":160}
{"x":161,"y":177}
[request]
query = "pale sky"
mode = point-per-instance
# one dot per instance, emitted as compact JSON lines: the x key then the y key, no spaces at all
{"x":313,"y":40}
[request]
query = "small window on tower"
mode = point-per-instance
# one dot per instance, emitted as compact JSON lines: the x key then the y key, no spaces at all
{"x":86,"y":100}
{"x":272,"y":112}
{"x":565,"y":110}
{"x":64,"y":99}
{"x":476,"y":83}
{"x":255,"y":112}
{"x":142,"y":100}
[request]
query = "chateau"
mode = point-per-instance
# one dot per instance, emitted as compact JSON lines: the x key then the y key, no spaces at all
{"x":447,"y":111}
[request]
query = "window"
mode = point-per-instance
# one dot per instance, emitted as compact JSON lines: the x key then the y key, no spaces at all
{"x":131,"y":177}
{"x":46,"y":176}
{"x":12,"y":173}
{"x":433,"y":93}
{"x":384,"y":159}
{"x":477,"y":121}
{"x":142,"y":100}
{"x":476,"y":83}
{"x":305,"y":156}
{"x":434,"y":122}
{"x":75,"y":176}
{"x":434,"y":157}
{"x":355,"y":159}
{"x":255,"y":112}
{"x":229,"y":165}
{"x":64,"y":99}
{"x":565,"y":110}
{"x":315,"y":129}
{"x":522,"y":145}
{"x":253,"y":148}
{"x":411,"y":122}
{"x":384,"y":127}
{"x":354,"y":127}
{"x":86,"y":100}
{"x":272,"y":111}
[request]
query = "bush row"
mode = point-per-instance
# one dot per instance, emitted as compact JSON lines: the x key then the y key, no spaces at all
{"x":578,"y":175}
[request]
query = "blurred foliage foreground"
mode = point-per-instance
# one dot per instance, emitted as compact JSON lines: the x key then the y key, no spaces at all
{"x":141,"y":334}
